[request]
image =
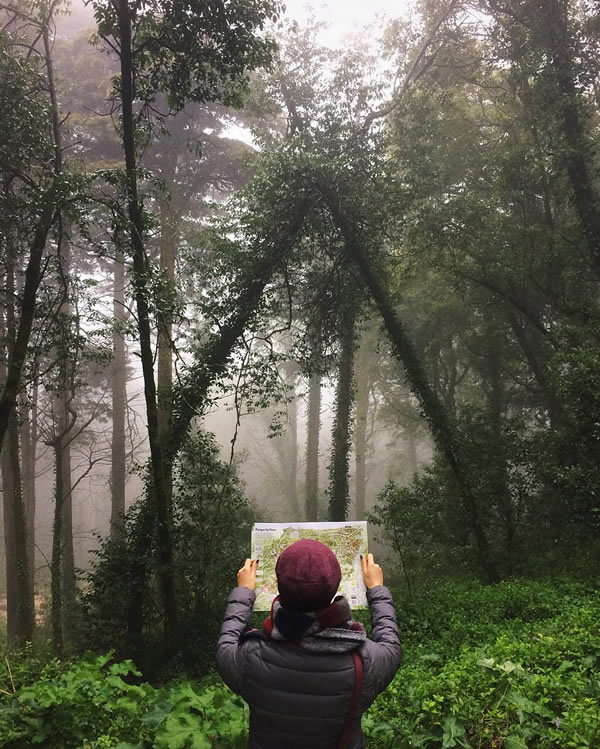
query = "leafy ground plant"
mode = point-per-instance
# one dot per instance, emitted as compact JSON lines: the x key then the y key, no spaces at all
{"x":535,"y":684}
{"x":68,"y":705}
{"x":211,"y":718}
{"x":94,"y":703}
{"x":513,"y":666}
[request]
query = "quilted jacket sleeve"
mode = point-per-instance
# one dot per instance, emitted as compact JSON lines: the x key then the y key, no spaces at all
{"x":230,"y":656}
{"x":385,"y":650}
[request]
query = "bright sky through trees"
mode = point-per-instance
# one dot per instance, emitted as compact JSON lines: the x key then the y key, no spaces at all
{"x":345,"y":16}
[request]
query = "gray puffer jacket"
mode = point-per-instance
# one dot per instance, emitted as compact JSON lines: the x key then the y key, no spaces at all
{"x":300,"y":699}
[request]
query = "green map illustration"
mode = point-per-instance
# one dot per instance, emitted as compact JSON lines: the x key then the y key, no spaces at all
{"x":347,"y":540}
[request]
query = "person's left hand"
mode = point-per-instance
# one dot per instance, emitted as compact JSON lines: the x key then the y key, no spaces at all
{"x":246,"y":577}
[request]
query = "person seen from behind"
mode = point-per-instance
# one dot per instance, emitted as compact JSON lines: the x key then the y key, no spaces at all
{"x":311,"y":672}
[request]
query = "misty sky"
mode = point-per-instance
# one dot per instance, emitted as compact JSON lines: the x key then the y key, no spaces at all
{"x":340,"y":16}
{"x":345,"y":16}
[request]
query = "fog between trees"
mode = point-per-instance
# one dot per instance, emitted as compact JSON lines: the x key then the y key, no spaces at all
{"x":370,"y":272}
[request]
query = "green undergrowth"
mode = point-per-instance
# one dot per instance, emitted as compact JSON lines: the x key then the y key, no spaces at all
{"x":515,"y":665}
{"x":94,"y":703}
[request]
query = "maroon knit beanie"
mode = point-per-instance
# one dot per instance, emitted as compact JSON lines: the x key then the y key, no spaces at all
{"x":308,"y":575}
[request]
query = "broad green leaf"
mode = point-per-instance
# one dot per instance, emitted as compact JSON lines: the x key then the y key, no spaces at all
{"x":514,"y":742}
{"x":454,"y":733}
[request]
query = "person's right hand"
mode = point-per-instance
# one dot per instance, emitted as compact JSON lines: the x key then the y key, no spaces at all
{"x":246,"y":577}
{"x":372,"y":573}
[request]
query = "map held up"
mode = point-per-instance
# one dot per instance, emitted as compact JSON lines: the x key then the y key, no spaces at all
{"x":347,"y":540}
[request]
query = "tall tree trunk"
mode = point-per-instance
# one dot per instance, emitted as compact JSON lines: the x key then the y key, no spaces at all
{"x":56,"y":581}
{"x":62,"y":565}
{"x":499,"y":479}
{"x":411,"y":453}
{"x":33,"y":276}
{"x":119,"y":401}
{"x":66,"y":422}
{"x":20,"y":600}
{"x":169,"y":236}
{"x":286,"y":445}
{"x":362,"y":388}
{"x":13,"y":602}
{"x":313,"y":429}
{"x":138,"y":580}
{"x":576,"y":153}
{"x":439,"y":422}
{"x":293,"y":457}
{"x":28,"y":435}
{"x":19,"y":592}
{"x":68,"y":554}
{"x":160,"y":462}
{"x":339,"y":494}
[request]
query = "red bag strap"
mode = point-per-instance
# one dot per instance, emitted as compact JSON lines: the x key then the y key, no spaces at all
{"x":358,"y":678}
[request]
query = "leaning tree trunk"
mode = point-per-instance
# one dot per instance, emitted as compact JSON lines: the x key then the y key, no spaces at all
{"x":192,"y":389}
{"x":339,"y":494}
{"x":270,"y":250}
{"x":433,"y":410}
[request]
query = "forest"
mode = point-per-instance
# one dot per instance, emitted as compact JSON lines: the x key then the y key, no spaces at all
{"x":249,"y":274}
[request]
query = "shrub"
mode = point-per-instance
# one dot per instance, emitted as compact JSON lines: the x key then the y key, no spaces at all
{"x":211,"y":526}
{"x":66,"y":706}
{"x":92,"y":704}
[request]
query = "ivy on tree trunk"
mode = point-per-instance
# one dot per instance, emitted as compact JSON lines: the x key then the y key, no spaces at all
{"x":433,"y":410}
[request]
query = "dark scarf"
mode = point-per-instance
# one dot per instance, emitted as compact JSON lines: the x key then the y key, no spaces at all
{"x":328,"y":630}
